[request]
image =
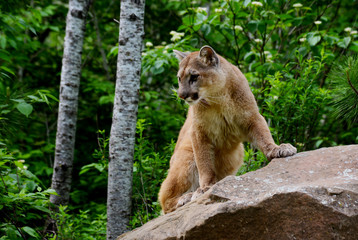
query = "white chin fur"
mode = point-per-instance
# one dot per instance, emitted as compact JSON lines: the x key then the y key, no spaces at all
{"x":191,"y":102}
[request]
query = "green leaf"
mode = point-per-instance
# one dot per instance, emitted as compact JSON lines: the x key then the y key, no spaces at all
{"x":52,"y":97}
{"x":18,"y":100}
{"x":354,"y":47}
{"x":2,"y":42}
{"x":41,"y":208}
{"x":318,"y":143}
{"x":25,"y":108}
{"x":252,"y":26}
{"x":261,"y":26}
{"x":156,"y":71}
{"x":36,"y":99}
{"x":30,"y":186}
{"x":331,"y":40}
{"x":159,"y":64}
{"x":344,"y":43}
{"x":147,"y":96}
{"x":7,"y":70}
{"x":5,"y":111}
{"x":247,"y":2}
{"x":31,"y":232}
{"x":51,"y":191}
{"x":206,"y":29}
{"x":33,"y":30}
{"x":113,"y":51}
{"x":285,"y":16}
{"x":4,"y":55}
{"x":43,"y":97}
{"x":313,"y":38}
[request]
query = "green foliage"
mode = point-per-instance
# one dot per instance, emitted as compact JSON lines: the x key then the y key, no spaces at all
{"x":253,"y":160}
{"x":289,"y":95}
{"x":23,"y":202}
{"x":149,"y":170}
{"x":100,"y":154}
{"x":84,"y":225}
{"x":344,"y":80}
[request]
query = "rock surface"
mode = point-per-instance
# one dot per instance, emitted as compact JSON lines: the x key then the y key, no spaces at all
{"x":312,"y":195}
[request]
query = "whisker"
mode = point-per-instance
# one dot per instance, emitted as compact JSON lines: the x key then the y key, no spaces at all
{"x":203,"y":104}
{"x":211,"y":100}
{"x":215,"y":97}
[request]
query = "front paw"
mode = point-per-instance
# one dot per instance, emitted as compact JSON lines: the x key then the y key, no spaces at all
{"x":184,"y":199}
{"x":199,"y":192}
{"x":284,"y":150}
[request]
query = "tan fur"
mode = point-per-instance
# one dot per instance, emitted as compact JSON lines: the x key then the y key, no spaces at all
{"x":222,"y":115}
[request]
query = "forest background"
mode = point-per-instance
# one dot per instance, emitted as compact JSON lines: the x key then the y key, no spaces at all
{"x":288,"y":50}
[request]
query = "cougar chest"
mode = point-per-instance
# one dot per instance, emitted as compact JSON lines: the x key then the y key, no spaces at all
{"x":220,"y":127}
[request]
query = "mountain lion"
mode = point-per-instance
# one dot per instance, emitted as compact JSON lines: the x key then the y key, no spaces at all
{"x":222,"y":115}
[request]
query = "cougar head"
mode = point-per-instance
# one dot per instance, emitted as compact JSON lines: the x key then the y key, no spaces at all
{"x":200,"y":76}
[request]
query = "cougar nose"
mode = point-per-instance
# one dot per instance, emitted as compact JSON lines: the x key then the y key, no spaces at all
{"x":183,"y":95}
{"x":195,"y":96}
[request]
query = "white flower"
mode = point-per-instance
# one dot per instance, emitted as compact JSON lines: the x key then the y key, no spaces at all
{"x":258,"y":40}
{"x":25,"y":167}
{"x":267,"y":52}
{"x":218,"y":10}
{"x":348,"y":29}
{"x":201,"y":10}
{"x":302,"y":39}
{"x":149,"y":44}
{"x":275,"y":97}
{"x":317,"y":22}
{"x":237,"y":27}
{"x":144,"y":54}
{"x":354,"y":32}
{"x":164,"y":43}
{"x":165,"y":51}
{"x":257,"y":4}
{"x":176,"y":36}
{"x":21,"y":161}
{"x":297,"y":5}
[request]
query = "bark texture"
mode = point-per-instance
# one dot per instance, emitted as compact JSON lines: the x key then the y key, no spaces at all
{"x":121,"y":145}
{"x":67,"y":112}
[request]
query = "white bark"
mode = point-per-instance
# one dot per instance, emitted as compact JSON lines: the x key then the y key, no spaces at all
{"x":67,"y":112}
{"x":121,"y":145}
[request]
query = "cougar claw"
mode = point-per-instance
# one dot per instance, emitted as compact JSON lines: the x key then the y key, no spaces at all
{"x":184,"y":199}
{"x":199,"y":192}
{"x":284,"y":150}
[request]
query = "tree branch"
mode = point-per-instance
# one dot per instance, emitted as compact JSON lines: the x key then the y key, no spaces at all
{"x":99,"y":44}
{"x":350,"y":83}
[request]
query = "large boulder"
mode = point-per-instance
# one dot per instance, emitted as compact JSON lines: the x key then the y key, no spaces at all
{"x":312,"y":195}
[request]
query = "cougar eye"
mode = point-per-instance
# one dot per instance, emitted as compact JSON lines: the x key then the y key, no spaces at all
{"x":179,"y":79}
{"x":193,"y":79}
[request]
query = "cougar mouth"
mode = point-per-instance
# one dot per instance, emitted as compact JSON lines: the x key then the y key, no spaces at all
{"x":190,"y":101}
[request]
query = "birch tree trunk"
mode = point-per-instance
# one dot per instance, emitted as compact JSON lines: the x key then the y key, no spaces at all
{"x":121,"y":144}
{"x":67,"y":112}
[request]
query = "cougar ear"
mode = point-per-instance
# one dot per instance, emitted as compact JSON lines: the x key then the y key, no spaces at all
{"x":180,"y":55}
{"x":208,"y":56}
